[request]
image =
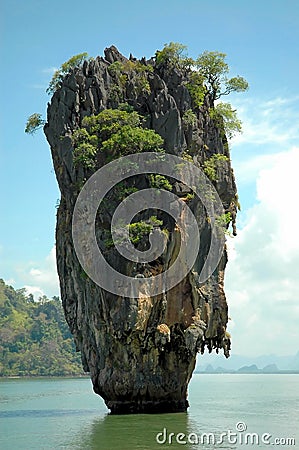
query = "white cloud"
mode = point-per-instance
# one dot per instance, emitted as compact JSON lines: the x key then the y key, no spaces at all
{"x":269,"y":128}
{"x":248,"y":168}
{"x":42,"y":278}
{"x":10,"y":281}
{"x":35,"y":291}
{"x":262,"y":276}
{"x":272,"y":121}
{"x":50,"y":70}
{"x":47,"y":72}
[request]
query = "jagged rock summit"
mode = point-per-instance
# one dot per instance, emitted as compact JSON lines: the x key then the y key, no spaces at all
{"x":140,"y":352}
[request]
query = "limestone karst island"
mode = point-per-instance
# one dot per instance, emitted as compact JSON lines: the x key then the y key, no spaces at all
{"x":141,"y":350}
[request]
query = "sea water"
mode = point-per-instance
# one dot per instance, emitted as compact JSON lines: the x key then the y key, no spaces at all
{"x":228,"y":411}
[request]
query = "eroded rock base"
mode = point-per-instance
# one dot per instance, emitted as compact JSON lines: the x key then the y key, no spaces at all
{"x":147,"y":407}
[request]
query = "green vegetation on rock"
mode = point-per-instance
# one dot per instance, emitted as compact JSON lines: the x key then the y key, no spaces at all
{"x":65,"y":68}
{"x":130,"y":140}
{"x":139,"y":230}
{"x":114,"y":133}
{"x":159,"y":182}
{"x":34,"y":123}
{"x":196,"y":88}
{"x":117,"y":67}
{"x":214,"y":69}
{"x":189,"y":118}
{"x":222,"y":222}
{"x":213,"y":164}
{"x":225,"y":116}
{"x":207,"y":74}
{"x":121,"y":72}
{"x":34,"y":337}
{"x":174,"y":54}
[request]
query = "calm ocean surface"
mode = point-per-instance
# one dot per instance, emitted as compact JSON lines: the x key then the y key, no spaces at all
{"x":37,"y":414}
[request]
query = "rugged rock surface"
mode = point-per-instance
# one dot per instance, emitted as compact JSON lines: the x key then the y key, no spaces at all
{"x":140,"y":352}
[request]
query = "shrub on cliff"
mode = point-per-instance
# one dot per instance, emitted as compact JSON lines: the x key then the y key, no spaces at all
{"x":214,"y":69}
{"x":207,"y":74}
{"x":64,"y":69}
{"x":213,"y":164}
{"x":114,"y":132}
{"x":34,"y":123}
{"x":224,"y":115}
{"x":174,"y":54}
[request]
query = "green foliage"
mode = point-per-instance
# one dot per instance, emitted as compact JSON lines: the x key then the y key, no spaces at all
{"x":110,"y":121}
{"x":85,"y":154}
{"x":213,"y":68}
{"x":142,"y":85}
{"x":174,"y":54}
{"x":73,"y":62}
{"x":159,"y":182}
{"x":139,"y":230}
{"x":34,"y":123}
{"x":235,"y":84}
{"x":122,"y":71}
{"x":223,"y":221}
{"x":34,"y":337}
{"x":125,"y":107}
{"x":225,"y":115}
{"x":116,"y":93}
{"x":122,"y":191}
{"x":196,"y":88}
{"x":85,"y":148}
{"x":59,"y":75}
{"x":189,"y":196}
{"x":115,"y":132}
{"x":210,"y":75}
{"x":187,"y":157}
{"x":212,"y":164}
{"x":189,"y":118}
{"x":138,"y":67}
{"x":116,"y":68}
{"x":132,"y":140}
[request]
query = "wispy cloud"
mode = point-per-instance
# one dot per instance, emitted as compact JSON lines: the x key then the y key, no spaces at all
{"x":270,"y":127}
{"x":41,"y":278}
{"x":271,"y":121}
{"x":47,"y":73}
{"x":49,"y":70}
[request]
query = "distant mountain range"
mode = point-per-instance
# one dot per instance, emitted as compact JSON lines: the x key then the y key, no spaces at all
{"x":211,"y":363}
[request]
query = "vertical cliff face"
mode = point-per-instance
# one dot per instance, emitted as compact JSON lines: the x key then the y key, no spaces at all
{"x":140,"y":352}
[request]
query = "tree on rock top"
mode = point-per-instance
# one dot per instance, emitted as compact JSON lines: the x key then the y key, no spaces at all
{"x":59,"y":75}
{"x":214,"y":70}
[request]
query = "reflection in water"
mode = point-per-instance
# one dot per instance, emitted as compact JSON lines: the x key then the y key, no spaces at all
{"x":152,"y":431}
{"x":138,"y":432}
{"x":61,"y":414}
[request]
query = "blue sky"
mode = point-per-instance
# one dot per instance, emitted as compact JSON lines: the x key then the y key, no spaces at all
{"x":261,"y":42}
